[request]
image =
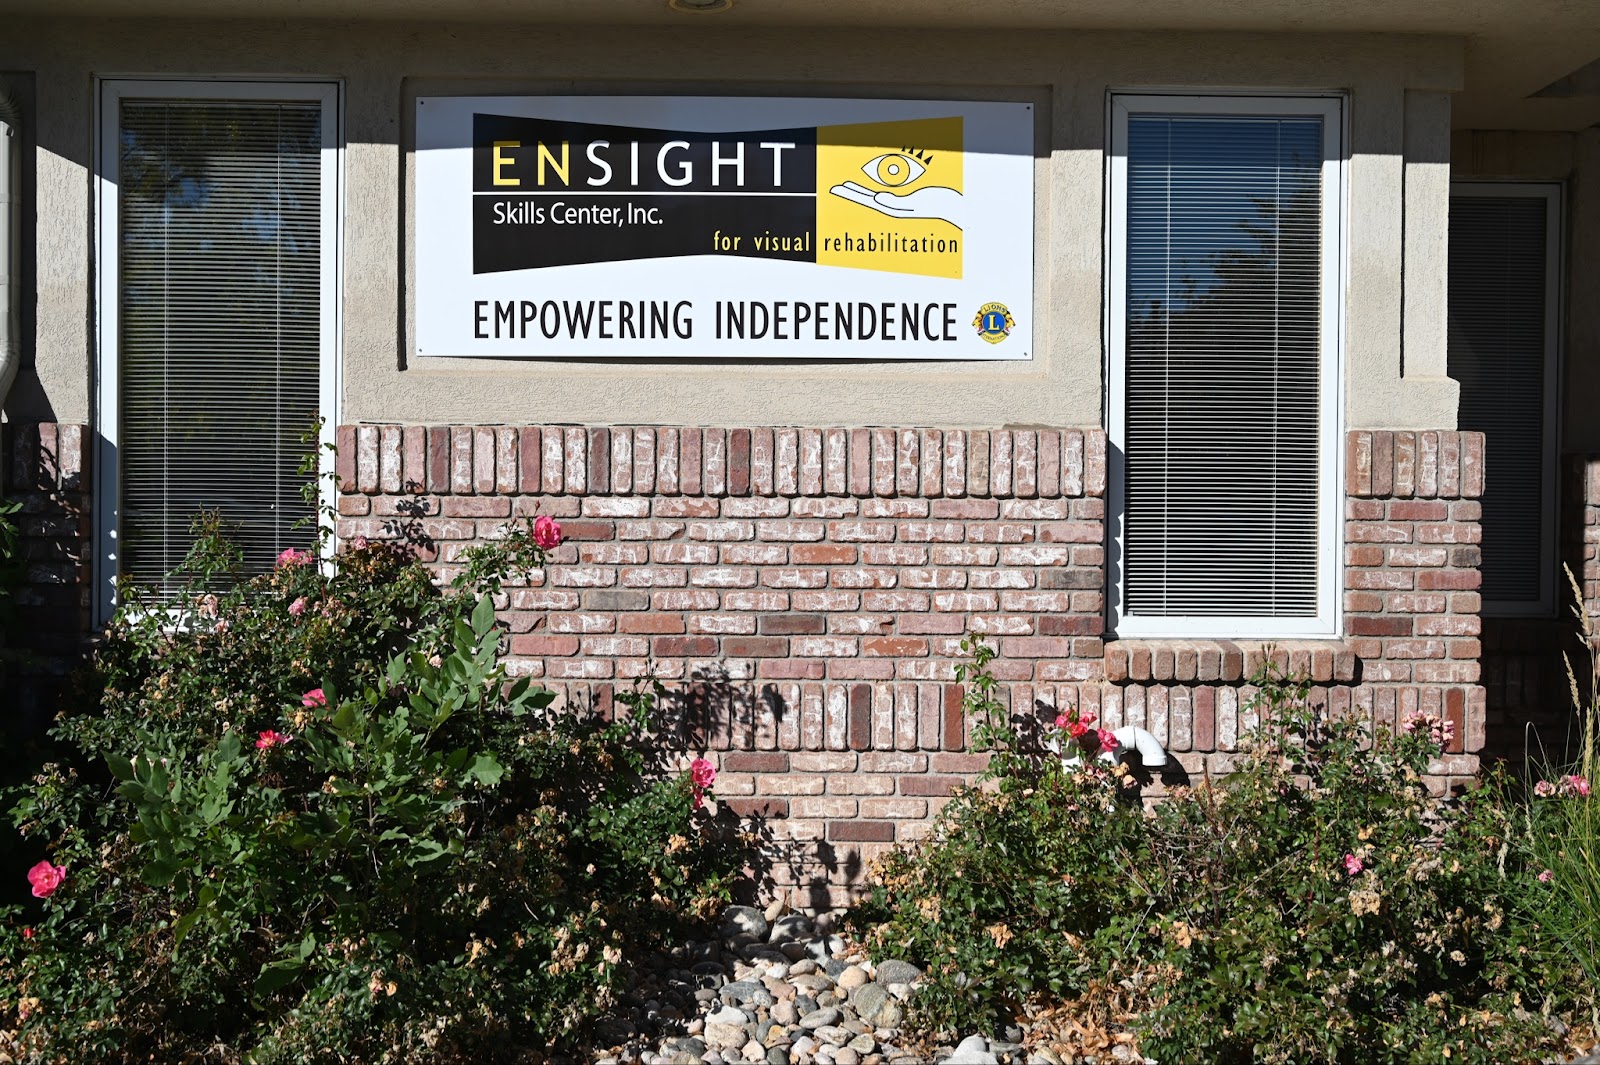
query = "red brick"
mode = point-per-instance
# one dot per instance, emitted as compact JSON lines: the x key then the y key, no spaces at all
{"x":739,"y":462}
{"x":755,"y":762}
{"x":894,"y":647}
{"x":924,"y":784}
{"x":862,"y":831}
{"x":1457,"y":580}
{"x":651,"y":624}
{"x":860,"y":717}
{"x":684,"y":646}
{"x":954,"y":718}
{"x":793,"y":625}
{"x":762,"y":808}
{"x":1205,"y":719}
{"x":1404,"y":510}
{"x":1363,"y":555}
{"x":823,"y":554}
{"x":1072,"y":625}
{"x":755,"y":647}
{"x":543,"y":645}
{"x":791,"y":669}
{"x":1381,"y":626}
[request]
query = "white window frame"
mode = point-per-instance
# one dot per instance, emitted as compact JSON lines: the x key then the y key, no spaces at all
{"x":1331,"y":108}
{"x":1554,"y":304}
{"x":111,"y":92}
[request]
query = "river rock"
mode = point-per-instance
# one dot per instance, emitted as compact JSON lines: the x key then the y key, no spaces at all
{"x":789,"y":928}
{"x":819,"y":1017}
{"x":743,"y":920}
{"x":896,"y":972}
{"x":851,"y":977}
{"x":973,"y":1050}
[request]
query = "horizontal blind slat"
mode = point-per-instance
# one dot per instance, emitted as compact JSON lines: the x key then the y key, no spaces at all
{"x":220,"y":229}
{"x":1223,"y":365}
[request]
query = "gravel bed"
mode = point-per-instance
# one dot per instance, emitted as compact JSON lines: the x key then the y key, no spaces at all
{"x":777,"y":987}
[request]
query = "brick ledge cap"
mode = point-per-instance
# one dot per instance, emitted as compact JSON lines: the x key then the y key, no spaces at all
{"x":1186,"y":661}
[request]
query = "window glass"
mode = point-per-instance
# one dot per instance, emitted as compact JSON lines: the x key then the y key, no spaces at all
{"x":1223,"y":341}
{"x":219,"y":322}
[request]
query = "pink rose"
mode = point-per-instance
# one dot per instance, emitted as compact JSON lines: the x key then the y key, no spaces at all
{"x":1086,"y":718}
{"x":1578,"y":784}
{"x":1108,"y":741}
{"x":270,"y":738}
{"x":702,"y":772}
{"x":1077,"y":729}
{"x":1352,"y":864}
{"x":45,"y":878}
{"x":27,"y":933}
{"x":291,"y":557}
{"x":313,"y":698}
{"x":359,"y":543}
{"x":297,"y":607}
{"x":1063,"y":720}
{"x":546,"y":532}
{"x":1546,"y":876}
{"x":1544,"y":789}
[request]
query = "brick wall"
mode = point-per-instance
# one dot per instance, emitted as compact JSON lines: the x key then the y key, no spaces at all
{"x":1529,"y":700}
{"x":805,"y":590}
{"x":45,"y":467}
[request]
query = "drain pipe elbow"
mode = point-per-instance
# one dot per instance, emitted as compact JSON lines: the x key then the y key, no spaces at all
{"x":1151,"y":753}
{"x":1129,"y":737}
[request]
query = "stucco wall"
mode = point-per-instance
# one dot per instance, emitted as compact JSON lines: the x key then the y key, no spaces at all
{"x":1398,"y":118}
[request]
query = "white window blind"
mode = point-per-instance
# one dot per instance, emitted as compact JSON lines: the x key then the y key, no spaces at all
{"x":1222,"y":401}
{"x":220,"y":338}
{"x":1502,"y":349}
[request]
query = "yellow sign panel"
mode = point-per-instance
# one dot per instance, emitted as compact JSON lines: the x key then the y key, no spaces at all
{"x":890,"y":196}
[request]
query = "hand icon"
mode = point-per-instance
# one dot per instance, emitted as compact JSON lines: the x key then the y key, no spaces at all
{"x":932,"y":202}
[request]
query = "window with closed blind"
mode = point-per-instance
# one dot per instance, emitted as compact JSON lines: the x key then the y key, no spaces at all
{"x":1504,"y":334}
{"x":1223,"y":280}
{"x":218,"y":261}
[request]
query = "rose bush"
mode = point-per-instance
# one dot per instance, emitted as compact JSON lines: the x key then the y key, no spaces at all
{"x":310,"y":817}
{"x":1318,"y":904}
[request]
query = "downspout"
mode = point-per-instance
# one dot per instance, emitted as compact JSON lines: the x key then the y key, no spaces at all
{"x":10,"y":236}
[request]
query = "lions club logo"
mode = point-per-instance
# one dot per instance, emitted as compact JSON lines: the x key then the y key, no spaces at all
{"x":994,"y":322}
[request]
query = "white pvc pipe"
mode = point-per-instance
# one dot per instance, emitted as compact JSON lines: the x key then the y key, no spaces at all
{"x":1151,"y":753}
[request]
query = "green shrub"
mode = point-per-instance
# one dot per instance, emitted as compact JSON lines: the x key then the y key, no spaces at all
{"x":1562,"y":834}
{"x":309,"y":817}
{"x":1318,"y":904}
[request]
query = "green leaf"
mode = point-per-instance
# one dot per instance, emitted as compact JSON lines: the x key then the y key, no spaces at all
{"x":486,"y":770}
{"x":120,"y":767}
{"x":159,"y":873}
{"x":278,"y":974}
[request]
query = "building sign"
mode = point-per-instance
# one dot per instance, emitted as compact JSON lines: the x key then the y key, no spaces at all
{"x":699,"y":227}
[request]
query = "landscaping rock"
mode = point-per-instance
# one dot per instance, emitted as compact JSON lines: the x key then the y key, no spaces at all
{"x":973,"y":1050}
{"x":896,"y":972}
{"x":743,"y":920}
{"x":789,"y":928}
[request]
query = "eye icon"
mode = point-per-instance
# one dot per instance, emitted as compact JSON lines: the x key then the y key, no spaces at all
{"x":894,"y":169}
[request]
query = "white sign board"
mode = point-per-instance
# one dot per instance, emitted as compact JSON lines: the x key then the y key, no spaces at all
{"x":709,"y":227}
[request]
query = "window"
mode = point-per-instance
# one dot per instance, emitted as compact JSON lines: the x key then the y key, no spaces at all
{"x":217,"y":308}
{"x":1223,"y":288}
{"x":1503,"y":344}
